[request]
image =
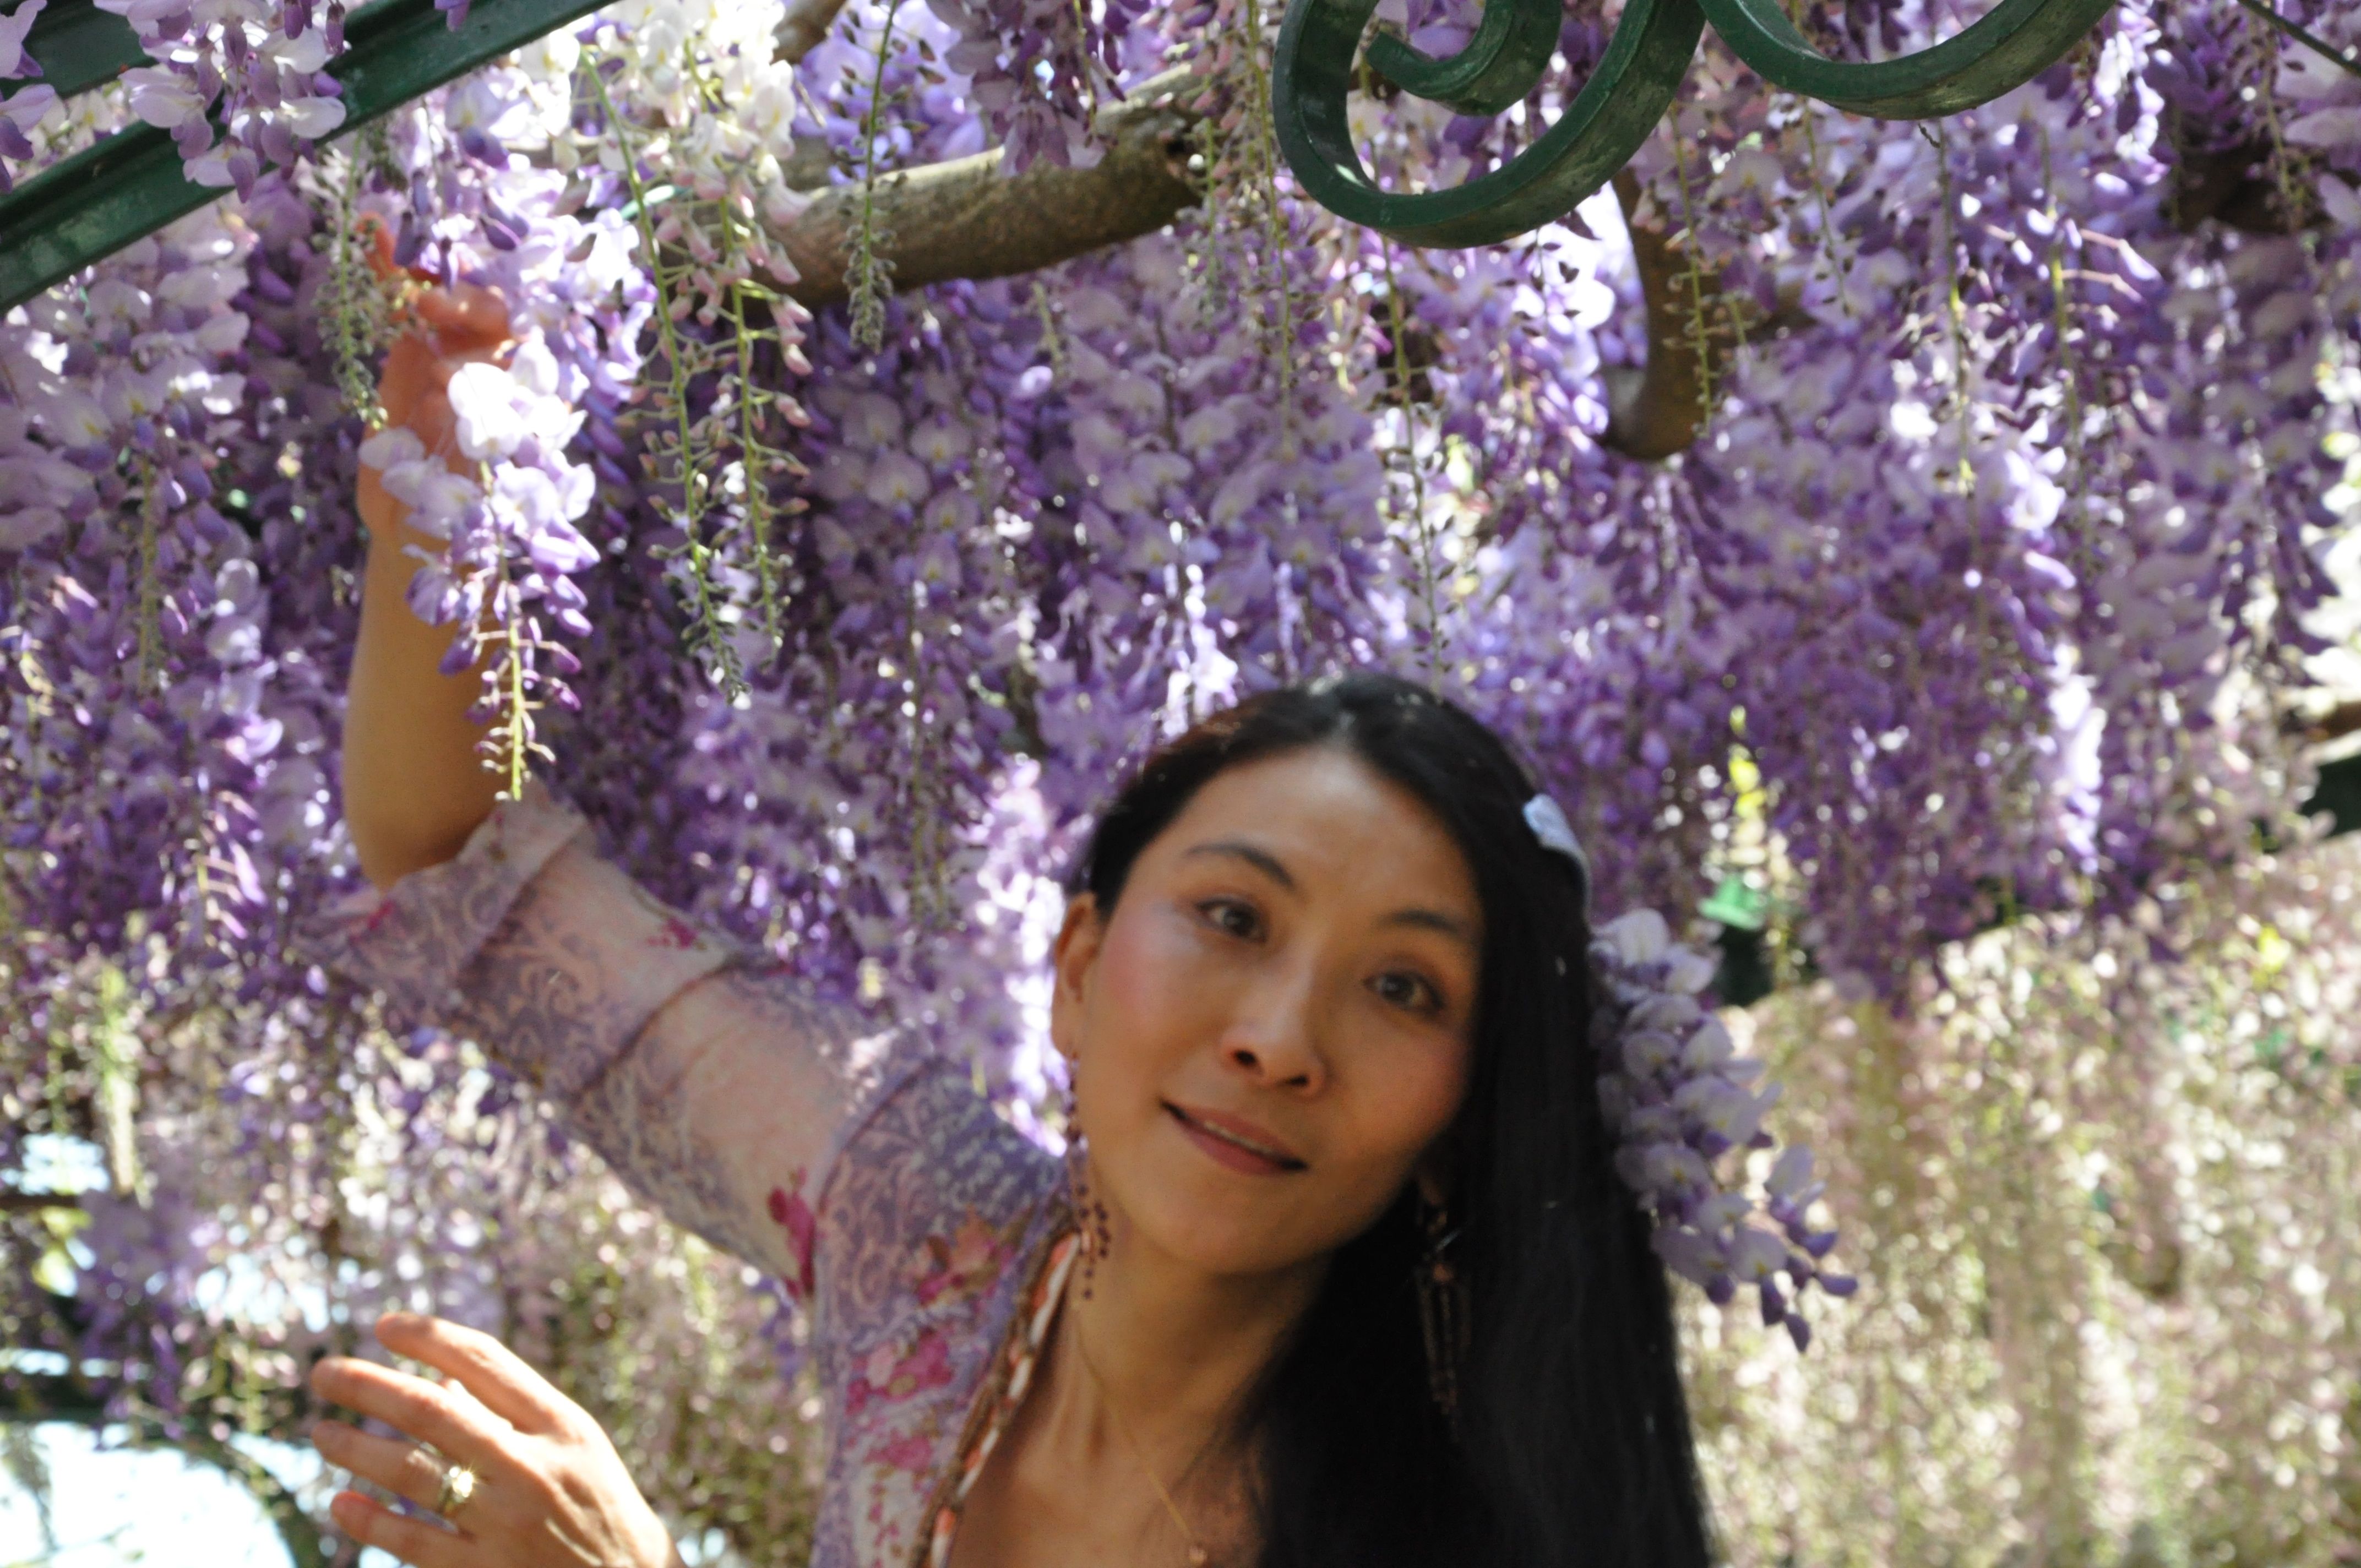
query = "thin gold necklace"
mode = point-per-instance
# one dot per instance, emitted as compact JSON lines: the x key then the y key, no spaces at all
{"x":1198,"y":1556}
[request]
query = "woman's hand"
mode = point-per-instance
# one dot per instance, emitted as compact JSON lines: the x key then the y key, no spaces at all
{"x":449,"y":328}
{"x":550,"y":1492}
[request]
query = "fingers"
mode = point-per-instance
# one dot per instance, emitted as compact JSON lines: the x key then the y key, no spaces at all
{"x":396,"y":1463}
{"x":486,"y":1367}
{"x":425,"y":1410}
{"x":464,"y":316}
{"x":415,"y":1542}
{"x":379,"y":238}
{"x":412,"y":390}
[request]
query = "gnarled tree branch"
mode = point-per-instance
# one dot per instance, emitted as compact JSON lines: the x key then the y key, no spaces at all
{"x":1660,"y":409}
{"x":801,"y":26}
{"x":965,"y":219}
{"x":1656,"y":409}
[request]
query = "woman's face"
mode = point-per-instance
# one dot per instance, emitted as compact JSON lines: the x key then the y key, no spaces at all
{"x":1274,"y":1023}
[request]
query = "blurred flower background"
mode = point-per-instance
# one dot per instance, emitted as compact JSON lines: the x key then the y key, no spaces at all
{"x":1916,"y":557}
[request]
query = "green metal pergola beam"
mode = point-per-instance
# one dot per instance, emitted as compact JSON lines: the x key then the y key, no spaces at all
{"x":98,"y":201}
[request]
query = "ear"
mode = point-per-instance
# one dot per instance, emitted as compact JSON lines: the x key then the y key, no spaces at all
{"x":1072,"y":958}
{"x":1433,"y":1174}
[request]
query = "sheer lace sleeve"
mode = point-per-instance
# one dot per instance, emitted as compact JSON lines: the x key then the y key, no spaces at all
{"x":711,"y":1083}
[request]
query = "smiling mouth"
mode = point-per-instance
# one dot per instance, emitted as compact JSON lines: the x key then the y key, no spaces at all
{"x":1277,"y":1158}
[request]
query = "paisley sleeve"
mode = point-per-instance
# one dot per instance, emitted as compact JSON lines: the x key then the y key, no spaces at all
{"x":931,"y":1218}
{"x":928,"y":1197}
{"x":704,"y":1073}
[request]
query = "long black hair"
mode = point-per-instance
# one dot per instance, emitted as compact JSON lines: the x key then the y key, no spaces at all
{"x":1571,"y":1446}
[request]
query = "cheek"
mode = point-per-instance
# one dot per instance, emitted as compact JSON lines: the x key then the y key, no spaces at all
{"x":1149,"y":1006}
{"x":1136,"y":964}
{"x":1407,"y":1099}
{"x":1391,"y":1128}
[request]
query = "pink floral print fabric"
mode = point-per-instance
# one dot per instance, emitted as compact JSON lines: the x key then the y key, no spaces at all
{"x":857,"y":1165}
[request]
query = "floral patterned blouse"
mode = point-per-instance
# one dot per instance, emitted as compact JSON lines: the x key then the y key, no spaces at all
{"x":860,"y":1167}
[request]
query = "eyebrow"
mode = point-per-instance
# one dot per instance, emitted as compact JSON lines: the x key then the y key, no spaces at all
{"x":1262,"y":860}
{"x":1268,"y":864}
{"x":1433,"y":920}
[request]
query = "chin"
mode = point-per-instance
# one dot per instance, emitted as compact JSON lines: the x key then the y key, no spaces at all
{"x":1227,"y":1232}
{"x":1228,"y":1255}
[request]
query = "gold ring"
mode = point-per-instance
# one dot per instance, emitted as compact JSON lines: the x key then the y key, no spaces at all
{"x":459,"y":1484}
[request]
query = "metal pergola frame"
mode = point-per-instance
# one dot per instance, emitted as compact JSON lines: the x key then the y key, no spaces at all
{"x":100,"y":200}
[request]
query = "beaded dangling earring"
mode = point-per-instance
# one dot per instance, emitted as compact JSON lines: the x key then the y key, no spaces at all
{"x":1442,"y":1308}
{"x":1090,"y":1214}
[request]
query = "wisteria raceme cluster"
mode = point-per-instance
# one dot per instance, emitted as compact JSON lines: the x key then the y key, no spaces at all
{"x":1037,"y":70}
{"x":2042,"y":1236}
{"x":1210,"y":529}
{"x":2107,"y":566}
{"x":1679,"y":1099}
{"x":26,"y":105}
{"x":128,"y":579}
{"x":255,"y":65}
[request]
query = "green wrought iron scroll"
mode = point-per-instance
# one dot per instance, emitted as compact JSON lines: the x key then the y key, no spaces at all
{"x":1618,"y":106}
{"x":101,"y":199}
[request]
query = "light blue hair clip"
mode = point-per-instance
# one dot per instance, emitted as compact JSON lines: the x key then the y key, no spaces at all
{"x":1547,"y":819}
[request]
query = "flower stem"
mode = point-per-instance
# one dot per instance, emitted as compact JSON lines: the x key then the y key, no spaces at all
{"x":707,"y":635}
{"x":869,"y":276}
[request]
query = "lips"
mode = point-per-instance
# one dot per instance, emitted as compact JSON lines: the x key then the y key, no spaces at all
{"x":1235,"y":1143}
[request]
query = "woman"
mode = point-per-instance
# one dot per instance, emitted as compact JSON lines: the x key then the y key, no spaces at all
{"x":1341,"y":1274}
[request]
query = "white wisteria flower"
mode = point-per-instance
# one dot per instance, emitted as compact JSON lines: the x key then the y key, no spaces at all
{"x":161,"y":96}
{"x":1639,"y":938}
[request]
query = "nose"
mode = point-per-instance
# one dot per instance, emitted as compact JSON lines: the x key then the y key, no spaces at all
{"x":1274,"y":1037}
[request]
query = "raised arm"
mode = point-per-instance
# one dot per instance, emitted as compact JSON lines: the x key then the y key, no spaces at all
{"x":414,"y":785}
{"x":703,"y":1073}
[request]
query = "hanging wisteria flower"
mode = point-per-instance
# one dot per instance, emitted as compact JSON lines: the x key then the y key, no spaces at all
{"x":256,"y":66}
{"x":1679,"y":1099}
{"x":20,"y":116}
{"x":436,"y":497}
{"x":1037,"y":68}
{"x":13,"y":26}
{"x":165,"y":99}
{"x":499,"y":409}
{"x":511,"y":543}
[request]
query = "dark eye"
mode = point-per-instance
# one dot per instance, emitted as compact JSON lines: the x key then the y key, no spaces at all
{"x":1404,"y":989}
{"x":1236,"y":919}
